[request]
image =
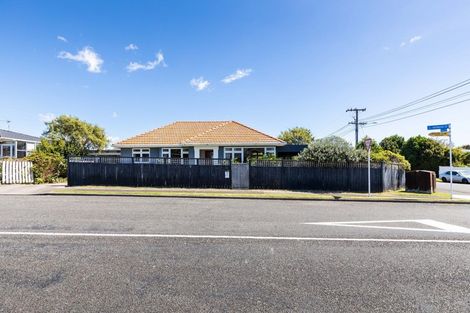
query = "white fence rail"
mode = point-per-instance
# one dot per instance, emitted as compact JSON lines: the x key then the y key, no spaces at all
{"x":16,"y":172}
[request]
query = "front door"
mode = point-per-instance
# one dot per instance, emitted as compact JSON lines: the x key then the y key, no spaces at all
{"x":206,"y":154}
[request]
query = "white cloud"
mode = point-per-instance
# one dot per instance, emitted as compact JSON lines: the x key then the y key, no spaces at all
{"x":239,"y":74}
{"x":386,"y":48}
{"x":46,"y":117}
{"x":199,"y":83}
{"x":131,"y":47}
{"x":113,"y":139}
{"x":415,"y":39}
{"x":150,"y":65}
{"x":62,"y":38}
{"x":114,"y":115}
{"x":411,"y":41}
{"x":86,"y":56}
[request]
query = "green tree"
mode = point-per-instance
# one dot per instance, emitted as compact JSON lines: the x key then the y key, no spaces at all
{"x":381,"y":155}
{"x":332,"y":150}
{"x":466,"y":158}
{"x":424,"y":153}
{"x":297,"y":136}
{"x":386,"y":156}
{"x":70,"y":136}
{"x":393,"y":143}
{"x":465,"y":147}
{"x":374,"y":147}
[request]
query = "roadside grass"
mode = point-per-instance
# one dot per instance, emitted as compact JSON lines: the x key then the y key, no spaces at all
{"x":253,"y":194}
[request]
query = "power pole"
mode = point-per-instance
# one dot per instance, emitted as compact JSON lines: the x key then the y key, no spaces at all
{"x":356,"y":121}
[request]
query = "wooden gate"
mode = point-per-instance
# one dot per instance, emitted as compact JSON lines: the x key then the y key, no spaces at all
{"x":16,"y":172}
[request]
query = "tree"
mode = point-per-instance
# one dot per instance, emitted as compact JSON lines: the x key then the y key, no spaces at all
{"x":374,"y":146}
{"x":393,"y":143}
{"x":332,"y":150}
{"x":70,"y":136}
{"x":381,"y":155}
{"x":386,"y":156}
{"x":465,"y":147}
{"x":297,"y":136}
{"x":424,"y":153}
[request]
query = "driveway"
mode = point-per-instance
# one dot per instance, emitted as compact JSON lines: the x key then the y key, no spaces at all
{"x":28,"y":189}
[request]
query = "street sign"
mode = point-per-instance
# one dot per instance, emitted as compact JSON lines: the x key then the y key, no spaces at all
{"x":368,"y":143}
{"x":442,"y":127}
{"x":445,"y":130}
{"x":439,"y":134}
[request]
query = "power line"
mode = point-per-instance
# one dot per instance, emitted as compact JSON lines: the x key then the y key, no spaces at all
{"x":338,"y":130}
{"x":421,"y":107}
{"x":420,"y":100}
{"x":405,"y":117}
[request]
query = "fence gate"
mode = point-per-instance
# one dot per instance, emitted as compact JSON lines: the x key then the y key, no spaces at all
{"x":240,"y":176}
{"x":16,"y":172}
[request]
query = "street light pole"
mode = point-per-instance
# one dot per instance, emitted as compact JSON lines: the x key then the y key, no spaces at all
{"x":451,"y":163}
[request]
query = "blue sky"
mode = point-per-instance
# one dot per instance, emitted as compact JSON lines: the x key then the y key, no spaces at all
{"x":267,"y":63}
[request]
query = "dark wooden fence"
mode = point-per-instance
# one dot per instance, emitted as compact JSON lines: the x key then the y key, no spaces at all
{"x":305,"y":175}
{"x":217,"y":173}
{"x":149,"y":172}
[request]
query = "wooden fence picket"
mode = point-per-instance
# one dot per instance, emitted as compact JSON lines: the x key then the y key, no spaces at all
{"x":16,"y":172}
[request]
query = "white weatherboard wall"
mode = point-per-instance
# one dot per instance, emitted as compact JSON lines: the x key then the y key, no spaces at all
{"x":17,"y":172}
{"x":443,"y":169}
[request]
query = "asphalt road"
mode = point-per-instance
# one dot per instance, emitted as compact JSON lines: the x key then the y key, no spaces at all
{"x":124,"y":254}
{"x":459,"y":189}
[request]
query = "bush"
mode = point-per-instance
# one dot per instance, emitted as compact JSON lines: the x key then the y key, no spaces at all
{"x":332,"y":150}
{"x":47,"y":167}
{"x":385,"y":156}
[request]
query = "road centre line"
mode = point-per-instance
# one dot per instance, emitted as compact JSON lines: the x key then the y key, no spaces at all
{"x":170,"y":236}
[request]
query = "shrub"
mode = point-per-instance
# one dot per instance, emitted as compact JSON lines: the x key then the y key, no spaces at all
{"x":47,"y":167}
{"x":332,"y":150}
{"x":389,"y":157}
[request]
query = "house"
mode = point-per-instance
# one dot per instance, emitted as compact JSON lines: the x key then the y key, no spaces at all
{"x":201,"y":140}
{"x":16,"y":145}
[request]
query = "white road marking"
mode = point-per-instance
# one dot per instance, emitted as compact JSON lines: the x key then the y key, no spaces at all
{"x":123,"y":235}
{"x":439,"y":226}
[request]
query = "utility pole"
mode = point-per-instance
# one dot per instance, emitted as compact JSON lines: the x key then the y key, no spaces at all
{"x":356,"y":121}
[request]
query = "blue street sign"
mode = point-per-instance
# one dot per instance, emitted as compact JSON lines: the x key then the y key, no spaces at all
{"x":442,"y":128}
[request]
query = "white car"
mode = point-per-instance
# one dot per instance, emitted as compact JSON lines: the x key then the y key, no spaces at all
{"x":457,"y":177}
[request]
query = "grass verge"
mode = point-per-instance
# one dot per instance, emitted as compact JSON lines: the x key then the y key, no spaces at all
{"x":256,"y":194}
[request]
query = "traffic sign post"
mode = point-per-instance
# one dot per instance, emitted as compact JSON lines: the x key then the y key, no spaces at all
{"x":444,"y":131}
{"x":368,"y":144}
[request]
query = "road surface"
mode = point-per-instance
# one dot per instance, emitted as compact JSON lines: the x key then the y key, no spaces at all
{"x":459,"y":189}
{"x":128,"y":254}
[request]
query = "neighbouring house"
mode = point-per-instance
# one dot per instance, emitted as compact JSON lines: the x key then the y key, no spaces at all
{"x":16,"y":145}
{"x":201,"y":140}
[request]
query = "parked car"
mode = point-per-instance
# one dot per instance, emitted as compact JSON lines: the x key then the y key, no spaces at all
{"x":457,"y":177}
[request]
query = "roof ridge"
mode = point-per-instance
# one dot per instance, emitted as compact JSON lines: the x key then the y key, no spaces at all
{"x":259,"y":132}
{"x":222,"y":124}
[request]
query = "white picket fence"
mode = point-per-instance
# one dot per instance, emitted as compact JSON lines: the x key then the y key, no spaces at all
{"x":17,"y":172}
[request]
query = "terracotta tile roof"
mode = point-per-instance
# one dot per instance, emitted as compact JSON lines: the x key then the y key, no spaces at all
{"x":201,"y":133}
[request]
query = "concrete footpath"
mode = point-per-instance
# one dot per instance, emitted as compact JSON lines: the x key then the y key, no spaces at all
{"x":29,"y":189}
{"x":391,"y":196}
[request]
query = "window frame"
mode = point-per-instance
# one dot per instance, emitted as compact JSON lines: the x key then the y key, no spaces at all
{"x":138,"y":155}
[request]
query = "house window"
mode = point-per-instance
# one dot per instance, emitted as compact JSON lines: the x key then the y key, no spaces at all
{"x":141,"y":155}
{"x":234,"y":154}
{"x":7,"y":150}
{"x":21,"y":149}
{"x":175,"y":153}
{"x":270,"y":151}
